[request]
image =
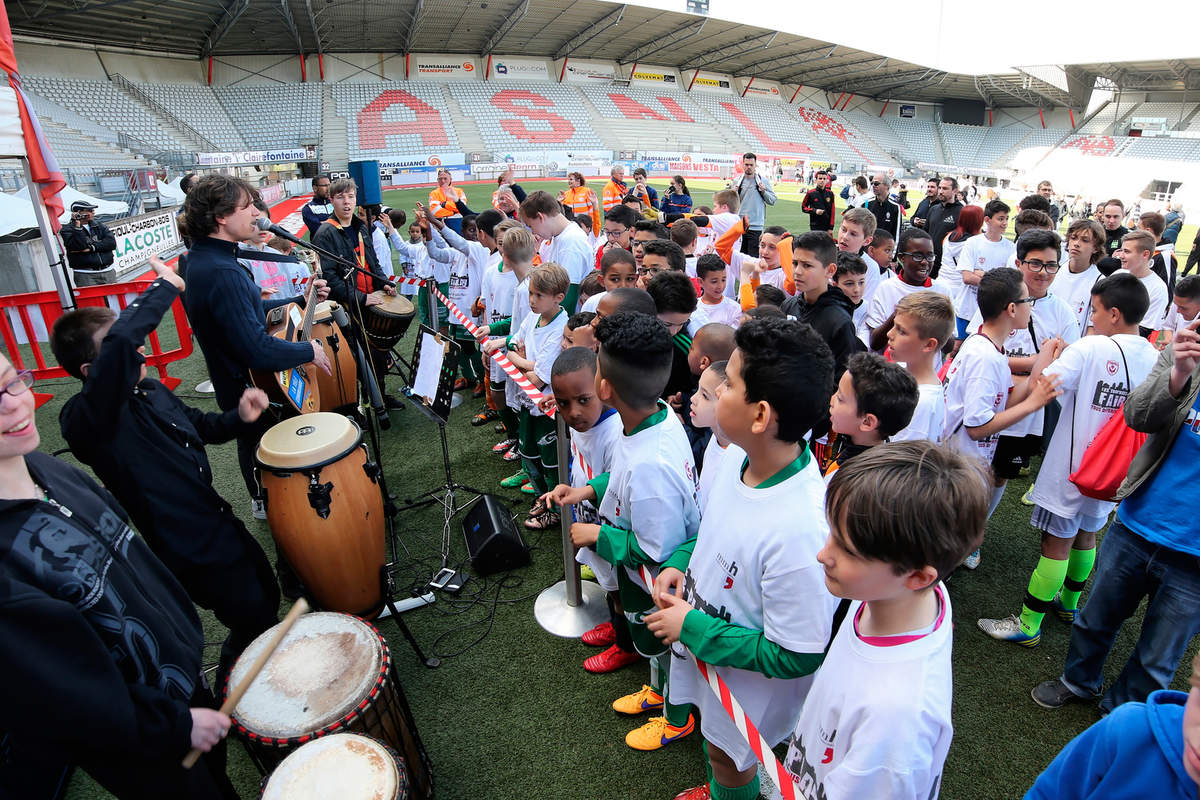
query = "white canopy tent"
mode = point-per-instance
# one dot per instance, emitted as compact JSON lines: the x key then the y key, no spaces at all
{"x":16,"y":214}
{"x":170,"y":194}
{"x":12,"y":145}
{"x":70,"y":195}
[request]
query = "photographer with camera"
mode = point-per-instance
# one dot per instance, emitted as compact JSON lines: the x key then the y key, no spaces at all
{"x":90,"y":246}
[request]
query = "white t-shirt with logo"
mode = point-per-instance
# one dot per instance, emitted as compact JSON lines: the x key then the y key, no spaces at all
{"x":1094,"y":387}
{"x":1158,"y":300}
{"x":877,"y":721}
{"x":543,"y":343}
{"x":591,"y":455}
{"x":979,"y":253}
{"x":514,"y":396}
{"x":1051,"y":316}
{"x":571,"y":251}
{"x":1174,"y":321}
{"x":468,"y":263}
{"x":929,"y":417}
{"x":977,"y":388}
{"x":727,"y":312}
{"x":888,"y":293}
{"x":652,"y":489}
{"x":714,"y":454}
{"x":414,"y":263}
{"x":497,"y":289}
{"x":755,"y":565}
{"x":1075,"y":289}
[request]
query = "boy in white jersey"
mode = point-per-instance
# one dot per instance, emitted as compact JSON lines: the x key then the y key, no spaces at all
{"x":713,"y":305}
{"x":435,"y":265}
{"x":855,"y":233}
{"x":566,"y":244}
{"x":595,"y":431}
{"x":1184,"y":309}
{"x":877,"y":720}
{"x":981,"y":399}
{"x":495,"y":288}
{"x":647,"y":500}
{"x":1097,"y":374}
{"x":982,"y":252}
{"x":412,"y":260}
{"x":916,"y":260}
{"x":510,"y":306}
{"x":532,"y":349}
{"x":921,"y":326}
{"x":747,"y":597}
{"x":1136,"y":254}
{"x":1073,"y":285}
{"x":772,"y":266}
{"x":704,"y":415}
{"x":1051,"y":320}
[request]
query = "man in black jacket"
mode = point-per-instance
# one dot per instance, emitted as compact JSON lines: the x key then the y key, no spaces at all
{"x":99,"y":646}
{"x":90,"y":246}
{"x":127,"y":427}
{"x":1111,"y":214}
{"x":888,"y":214}
{"x":943,"y":218}
{"x":226,"y":309}
{"x":818,"y":204}
{"x":920,"y":217}
{"x":349,"y":237}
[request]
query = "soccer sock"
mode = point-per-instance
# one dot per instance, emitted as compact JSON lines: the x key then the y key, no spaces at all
{"x":748,"y":792}
{"x":997,"y":493}
{"x":616,"y":616}
{"x":508,"y":416}
{"x":1044,"y":583}
{"x":1079,"y":567}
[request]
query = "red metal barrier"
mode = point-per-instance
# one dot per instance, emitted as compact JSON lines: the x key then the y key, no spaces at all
{"x":47,"y":303}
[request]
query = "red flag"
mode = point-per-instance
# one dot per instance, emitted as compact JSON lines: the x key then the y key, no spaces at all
{"x":42,"y":163}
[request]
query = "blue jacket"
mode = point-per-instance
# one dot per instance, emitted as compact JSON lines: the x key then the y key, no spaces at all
{"x":228,"y":315}
{"x":1134,"y":752}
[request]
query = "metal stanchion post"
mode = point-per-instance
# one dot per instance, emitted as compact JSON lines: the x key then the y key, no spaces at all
{"x":571,"y":607}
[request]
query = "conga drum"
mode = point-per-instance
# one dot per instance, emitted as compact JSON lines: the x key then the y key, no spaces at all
{"x":345,"y":766}
{"x":325,"y":510}
{"x":332,"y":673}
{"x":386,"y":323}
{"x":340,"y":388}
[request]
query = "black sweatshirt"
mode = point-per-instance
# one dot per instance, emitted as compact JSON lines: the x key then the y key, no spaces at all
{"x":148,"y":447}
{"x":227,"y":313}
{"x":99,"y":645}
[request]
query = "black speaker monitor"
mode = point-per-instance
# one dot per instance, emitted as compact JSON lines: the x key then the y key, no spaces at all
{"x":493,"y":541}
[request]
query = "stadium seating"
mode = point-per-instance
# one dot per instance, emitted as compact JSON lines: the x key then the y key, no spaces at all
{"x":835,"y":132}
{"x":879,"y":132}
{"x":962,"y":143}
{"x":1163,"y":148}
{"x":527,"y":116}
{"x":200,"y":108}
{"x":390,"y":118}
{"x":276,"y":116}
{"x":767,"y":127}
{"x":103,"y":103}
{"x":919,"y":137}
{"x":1092,"y":145}
{"x":644,"y":119}
{"x":996,"y":143}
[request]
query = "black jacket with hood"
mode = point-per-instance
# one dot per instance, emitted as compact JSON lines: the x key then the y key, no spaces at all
{"x":832,"y":318}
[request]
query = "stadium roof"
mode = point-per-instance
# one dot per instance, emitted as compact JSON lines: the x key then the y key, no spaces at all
{"x":592,"y":29}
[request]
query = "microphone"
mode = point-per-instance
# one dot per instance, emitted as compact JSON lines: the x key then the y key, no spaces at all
{"x":264,"y":224}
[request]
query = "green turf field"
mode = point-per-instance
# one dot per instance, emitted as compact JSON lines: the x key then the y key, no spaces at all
{"x":511,"y":714}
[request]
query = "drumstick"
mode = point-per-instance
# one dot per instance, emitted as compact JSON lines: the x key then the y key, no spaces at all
{"x":300,"y":608}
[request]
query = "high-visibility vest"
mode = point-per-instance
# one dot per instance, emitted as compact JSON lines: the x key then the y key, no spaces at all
{"x":614,"y":193}
{"x":579,"y":200}
{"x":443,"y":204}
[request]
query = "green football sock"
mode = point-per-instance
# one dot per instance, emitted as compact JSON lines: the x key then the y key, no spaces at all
{"x":676,"y":715}
{"x":1079,"y":567}
{"x":748,"y":792}
{"x":1044,"y":583}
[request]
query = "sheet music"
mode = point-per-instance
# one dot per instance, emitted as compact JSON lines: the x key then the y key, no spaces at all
{"x":429,"y":370}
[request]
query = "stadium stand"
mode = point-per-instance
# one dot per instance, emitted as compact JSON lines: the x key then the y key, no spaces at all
{"x":391,"y":118}
{"x":201,"y":108}
{"x":767,"y":127}
{"x":527,"y":116}
{"x":920,"y":139}
{"x":644,"y":119}
{"x":835,"y":132}
{"x":963,"y":143}
{"x":105,"y":104}
{"x":280,"y":115}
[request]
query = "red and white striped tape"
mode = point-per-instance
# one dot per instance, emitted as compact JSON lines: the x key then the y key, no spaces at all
{"x":760,"y":746}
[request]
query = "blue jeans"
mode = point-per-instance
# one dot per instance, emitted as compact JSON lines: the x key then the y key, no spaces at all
{"x":1129,"y":568}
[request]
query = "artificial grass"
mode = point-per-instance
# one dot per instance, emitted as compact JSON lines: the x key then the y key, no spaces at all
{"x":515,"y":716}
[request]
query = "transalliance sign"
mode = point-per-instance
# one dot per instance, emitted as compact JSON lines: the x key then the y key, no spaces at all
{"x":288,"y":156}
{"x":443,"y":66}
{"x":690,"y":165}
{"x":138,"y":238}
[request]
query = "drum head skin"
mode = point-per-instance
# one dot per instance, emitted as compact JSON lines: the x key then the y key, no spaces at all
{"x":308,"y":440}
{"x":398,"y":306}
{"x":324,"y":667}
{"x":344,"y":766}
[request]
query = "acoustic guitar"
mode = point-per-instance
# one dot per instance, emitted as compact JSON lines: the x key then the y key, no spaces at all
{"x":296,"y":386}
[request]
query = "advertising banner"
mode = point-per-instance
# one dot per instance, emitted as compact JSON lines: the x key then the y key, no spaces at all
{"x":710,"y":82}
{"x":442,"y":66}
{"x":588,"y":71}
{"x":273,"y":194}
{"x":690,"y":165}
{"x":655,"y":76}
{"x":288,"y":156}
{"x":140,"y":237}
{"x":519,"y":69}
{"x":429,"y":161}
{"x":765,"y":89}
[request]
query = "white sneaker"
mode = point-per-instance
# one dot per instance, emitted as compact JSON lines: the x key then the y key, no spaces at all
{"x":972,"y":561}
{"x":258,"y":508}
